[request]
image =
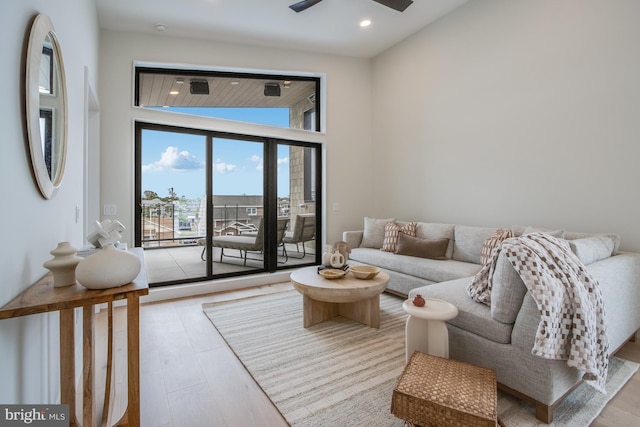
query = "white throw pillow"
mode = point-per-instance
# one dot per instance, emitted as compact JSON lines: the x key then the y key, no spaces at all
{"x":592,"y":249}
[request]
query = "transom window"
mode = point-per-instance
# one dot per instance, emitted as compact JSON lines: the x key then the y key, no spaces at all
{"x":277,"y":100}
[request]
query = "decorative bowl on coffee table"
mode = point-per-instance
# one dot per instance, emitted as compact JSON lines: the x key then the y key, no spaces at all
{"x":332,"y":273}
{"x":365,"y":271}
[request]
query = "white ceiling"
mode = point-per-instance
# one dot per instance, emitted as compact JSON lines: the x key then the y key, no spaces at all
{"x":331,"y":26}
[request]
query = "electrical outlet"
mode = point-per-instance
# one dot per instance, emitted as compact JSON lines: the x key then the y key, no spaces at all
{"x":336,"y":206}
{"x":109,"y":210}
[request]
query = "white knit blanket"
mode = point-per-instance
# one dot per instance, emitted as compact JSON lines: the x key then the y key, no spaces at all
{"x":571,"y":306}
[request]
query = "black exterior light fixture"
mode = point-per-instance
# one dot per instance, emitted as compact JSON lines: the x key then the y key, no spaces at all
{"x":271,"y":89}
{"x":199,"y":87}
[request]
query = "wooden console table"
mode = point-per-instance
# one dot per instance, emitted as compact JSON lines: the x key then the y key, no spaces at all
{"x":42,"y":297}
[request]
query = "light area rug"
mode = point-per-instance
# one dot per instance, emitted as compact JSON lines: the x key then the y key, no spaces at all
{"x":342,"y":373}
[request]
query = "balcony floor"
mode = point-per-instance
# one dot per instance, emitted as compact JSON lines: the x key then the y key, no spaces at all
{"x":184,"y":262}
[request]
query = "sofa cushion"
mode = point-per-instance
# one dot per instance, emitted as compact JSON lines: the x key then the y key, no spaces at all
{"x":424,"y":268}
{"x":507,"y":291}
{"x":374,"y":232}
{"x":592,"y":249}
{"x":472,"y":316}
{"x":468,"y":242}
{"x":391,"y":232}
{"x":493,"y":242}
{"x":434,"y":230}
{"x":423,"y":248}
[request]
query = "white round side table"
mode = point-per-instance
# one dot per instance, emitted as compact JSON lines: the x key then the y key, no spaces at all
{"x":425,"y":330}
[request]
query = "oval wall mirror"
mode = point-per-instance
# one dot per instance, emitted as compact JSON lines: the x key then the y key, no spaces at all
{"x":46,"y":105}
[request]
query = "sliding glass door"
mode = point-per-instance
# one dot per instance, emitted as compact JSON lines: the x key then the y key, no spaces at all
{"x":171,"y":198}
{"x":214,"y":205}
{"x":297,"y":182}
{"x":237,"y":238}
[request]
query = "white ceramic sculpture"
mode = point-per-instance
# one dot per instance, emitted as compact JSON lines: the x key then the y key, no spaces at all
{"x":336,"y":255}
{"x":106,"y":233}
{"x":342,"y":247}
{"x":63,"y":265}
{"x":108,"y":268}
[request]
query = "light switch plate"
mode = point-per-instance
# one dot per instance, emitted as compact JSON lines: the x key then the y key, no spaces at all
{"x":109,"y":210}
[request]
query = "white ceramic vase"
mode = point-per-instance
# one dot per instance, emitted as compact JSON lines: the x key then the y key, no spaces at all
{"x":108,"y":268}
{"x":63,"y":265}
{"x":337,"y":260}
{"x":326,"y":256}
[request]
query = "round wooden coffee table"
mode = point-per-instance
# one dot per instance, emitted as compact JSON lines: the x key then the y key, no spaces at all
{"x":324,"y":299}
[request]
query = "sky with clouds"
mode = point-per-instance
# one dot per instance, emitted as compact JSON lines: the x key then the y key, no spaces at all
{"x":178,"y":161}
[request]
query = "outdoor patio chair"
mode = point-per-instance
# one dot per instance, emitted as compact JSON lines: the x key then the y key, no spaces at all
{"x":246,"y":244}
{"x":304,"y":230}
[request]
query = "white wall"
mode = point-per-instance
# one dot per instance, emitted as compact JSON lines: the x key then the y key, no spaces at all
{"x":31,"y":225}
{"x":506,"y":112}
{"x":348,"y":114}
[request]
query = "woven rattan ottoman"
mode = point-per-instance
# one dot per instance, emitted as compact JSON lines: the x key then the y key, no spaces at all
{"x":433,"y":391}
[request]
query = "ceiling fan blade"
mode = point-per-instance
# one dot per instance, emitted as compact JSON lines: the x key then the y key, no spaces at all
{"x":399,"y":5}
{"x":303,"y":5}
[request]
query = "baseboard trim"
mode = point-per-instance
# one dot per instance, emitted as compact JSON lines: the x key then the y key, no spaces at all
{"x":201,"y":288}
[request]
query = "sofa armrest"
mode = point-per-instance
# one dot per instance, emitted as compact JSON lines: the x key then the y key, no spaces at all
{"x":619,"y":281}
{"x":353,"y":238}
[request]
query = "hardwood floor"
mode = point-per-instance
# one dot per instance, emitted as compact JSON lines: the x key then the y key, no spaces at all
{"x":624,"y":408}
{"x":190,"y":377}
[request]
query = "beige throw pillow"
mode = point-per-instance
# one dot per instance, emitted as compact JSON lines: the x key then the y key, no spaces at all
{"x":423,"y":248}
{"x":391,"y":232}
{"x":374,"y":232}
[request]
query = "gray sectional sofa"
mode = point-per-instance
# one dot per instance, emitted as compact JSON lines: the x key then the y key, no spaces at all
{"x":501,"y":336}
{"x":407,"y":272}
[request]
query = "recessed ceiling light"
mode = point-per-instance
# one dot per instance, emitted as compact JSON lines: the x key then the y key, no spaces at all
{"x":174,"y":92}
{"x":179,"y":81}
{"x":160,"y":27}
{"x":234,"y":82}
{"x":365,"y":23}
